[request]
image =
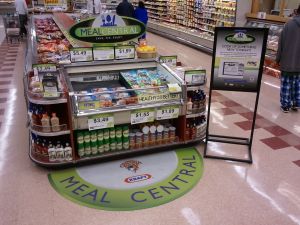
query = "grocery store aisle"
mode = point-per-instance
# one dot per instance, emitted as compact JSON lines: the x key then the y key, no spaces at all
{"x":266,"y":192}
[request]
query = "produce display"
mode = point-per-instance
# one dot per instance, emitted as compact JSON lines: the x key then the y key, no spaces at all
{"x":52,"y":46}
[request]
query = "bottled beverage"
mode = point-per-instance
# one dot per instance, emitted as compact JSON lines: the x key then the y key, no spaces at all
{"x":55,"y":123}
{"x":59,"y":152}
{"x":45,"y":121}
{"x":52,"y":153}
{"x":189,"y":107}
{"x":68,"y":152}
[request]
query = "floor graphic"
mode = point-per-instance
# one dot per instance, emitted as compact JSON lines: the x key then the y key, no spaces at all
{"x":131,"y":184}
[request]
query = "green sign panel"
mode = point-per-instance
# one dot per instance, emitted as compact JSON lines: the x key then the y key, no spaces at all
{"x":108,"y":28}
{"x":131,"y":184}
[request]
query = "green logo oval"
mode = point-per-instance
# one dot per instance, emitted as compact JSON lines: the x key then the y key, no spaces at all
{"x":239,"y":38}
{"x":107,"y":28}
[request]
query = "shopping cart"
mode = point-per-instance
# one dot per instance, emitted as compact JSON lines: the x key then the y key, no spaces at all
{"x":12,"y":27}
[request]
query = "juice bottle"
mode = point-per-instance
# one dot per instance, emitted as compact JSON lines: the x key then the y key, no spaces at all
{"x":51,"y":153}
{"x":45,"y":123}
{"x":189,"y":106}
{"x":68,"y":152}
{"x":55,"y":123}
{"x":59,"y":152}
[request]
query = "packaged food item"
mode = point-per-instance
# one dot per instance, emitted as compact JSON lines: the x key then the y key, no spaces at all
{"x":172,"y":133}
{"x":94,"y":148}
{"x":81,"y":151}
{"x":132,"y":137}
{"x":80,"y":137}
{"x":100,"y":146}
{"x":100,"y":135}
{"x":125,"y":143}
{"x":146,"y":140}
{"x":166,"y":135}
{"x":113,"y":145}
{"x":112,"y":133}
{"x":87,"y":148}
{"x":119,"y":132}
{"x":87,"y":137}
{"x":125,"y":131}
{"x":106,"y":145}
{"x":119,"y":143}
{"x":106,"y":134}
{"x":152,"y":135}
{"x":139,"y":140}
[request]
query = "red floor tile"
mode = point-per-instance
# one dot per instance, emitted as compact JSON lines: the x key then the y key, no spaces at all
{"x":4,"y":90}
{"x":297,"y":147}
{"x":230,"y":104}
{"x":246,"y":125}
{"x":262,"y":122}
{"x":9,"y":64}
{"x":220,"y":98}
{"x":240,"y":109}
{"x":5,"y":75}
{"x":1,"y":111}
{"x":8,"y":70}
{"x":225,"y":111}
{"x":277,"y":130}
{"x":297,"y":162}
{"x":275,"y":143}
{"x":291,"y":139}
{"x":214,"y":93}
{"x":3,"y":100}
{"x":5,"y":82}
{"x":249,"y":115}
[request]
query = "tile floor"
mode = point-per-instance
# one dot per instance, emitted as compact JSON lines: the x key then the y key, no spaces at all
{"x":265,"y":193}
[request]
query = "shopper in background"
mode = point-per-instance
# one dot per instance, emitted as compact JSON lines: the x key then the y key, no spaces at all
{"x":21,"y":8}
{"x":125,"y":8}
{"x":288,"y":57}
{"x":141,"y":14}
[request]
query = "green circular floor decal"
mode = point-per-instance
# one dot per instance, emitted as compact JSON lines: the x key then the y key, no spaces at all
{"x":130,"y":184}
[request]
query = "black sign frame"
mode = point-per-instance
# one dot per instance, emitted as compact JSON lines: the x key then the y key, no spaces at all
{"x":230,"y":139}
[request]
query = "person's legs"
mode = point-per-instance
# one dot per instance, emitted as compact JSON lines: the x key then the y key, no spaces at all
{"x":297,"y":90}
{"x":22,"y":19}
{"x":285,"y":91}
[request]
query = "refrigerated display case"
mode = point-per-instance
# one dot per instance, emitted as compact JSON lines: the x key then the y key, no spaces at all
{"x":275,"y":28}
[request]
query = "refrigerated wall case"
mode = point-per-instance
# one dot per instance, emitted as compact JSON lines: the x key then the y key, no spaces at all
{"x":191,"y":22}
{"x":88,"y":90}
{"x":275,"y":28}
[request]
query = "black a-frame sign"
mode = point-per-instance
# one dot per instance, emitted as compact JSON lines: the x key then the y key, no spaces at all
{"x":237,"y":65}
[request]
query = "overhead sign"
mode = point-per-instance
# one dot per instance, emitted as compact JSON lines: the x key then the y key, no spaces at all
{"x":107,"y":28}
{"x":237,"y":58}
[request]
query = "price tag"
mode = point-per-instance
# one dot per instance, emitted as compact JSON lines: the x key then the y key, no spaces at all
{"x":125,"y":52}
{"x":142,"y":116}
{"x":167,"y":112}
{"x":81,"y":54}
{"x":169,"y":60}
{"x":195,"y":76}
{"x":45,"y":67}
{"x":104,"y":53}
{"x":101,"y":121}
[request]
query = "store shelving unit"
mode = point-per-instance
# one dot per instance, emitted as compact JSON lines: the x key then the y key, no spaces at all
{"x":7,"y":6}
{"x":275,"y":28}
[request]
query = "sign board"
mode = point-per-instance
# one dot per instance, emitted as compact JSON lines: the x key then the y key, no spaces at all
{"x":81,"y":54}
{"x":237,"y":59}
{"x":44,"y":68}
{"x":101,"y":121}
{"x":125,"y":52}
{"x":108,"y":28}
{"x":169,"y":60}
{"x":142,"y":116}
{"x":167,"y":112}
{"x":195,"y":76}
{"x":104,"y":53}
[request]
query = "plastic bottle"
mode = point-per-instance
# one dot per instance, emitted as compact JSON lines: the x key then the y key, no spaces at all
{"x":189,"y":106}
{"x":45,"y":123}
{"x":51,"y":153}
{"x":55,"y":123}
{"x":59,"y":152}
{"x":68,"y":152}
{"x":187,"y":132}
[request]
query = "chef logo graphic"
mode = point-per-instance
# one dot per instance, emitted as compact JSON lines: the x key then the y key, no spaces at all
{"x":131,"y":165}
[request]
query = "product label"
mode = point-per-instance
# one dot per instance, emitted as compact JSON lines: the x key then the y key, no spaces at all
{"x":104,"y":53}
{"x":81,"y":54}
{"x":50,"y":92}
{"x":101,"y":121}
{"x":142,"y":116}
{"x":157,"y":98}
{"x":45,"y":67}
{"x":125,"y":52}
{"x":167,"y":112}
{"x":169,"y":60}
{"x":195,"y":76}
